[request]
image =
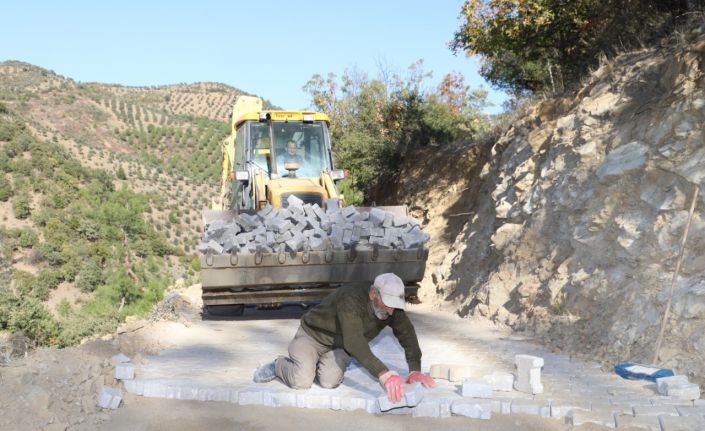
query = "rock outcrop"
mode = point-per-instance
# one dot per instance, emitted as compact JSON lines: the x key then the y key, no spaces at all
{"x":582,"y":207}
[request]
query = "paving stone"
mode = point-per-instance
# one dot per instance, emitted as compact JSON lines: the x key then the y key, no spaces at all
{"x":630,"y":402}
{"x":318,"y":401}
{"x":284,"y":399}
{"x":663,"y":383}
{"x":294,"y":202}
{"x":125,"y":371}
{"x":119,"y":358}
{"x":476,"y":388}
{"x":501,"y":406}
{"x":616,"y":409}
{"x":440,"y":371}
{"x":528,"y":374}
{"x":561,"y":409}
{"x":427,"y":409}
{"x":372,"y":406}
{"x":185,"y":392}
{"x":600,"y":417}
{"x":500,"y":382}
{"x":134,"y":386}
{"x":347,"y":237}
{"x":266,"y":211}
{"x":221,"y":393}
{"x":456,"y":373}
{"x":109,"y":398}
{"x":413,"y":394}
{"x":377,"y":216}
{"x":250,"y":398}
{"x":301,"y":401}
{"x":210,"y":246}
{"x":654,"y":410}
{"x":530,"y":407}
{"x":388,"y":220}
{"x":154,"y":389}
{"x":681,"y":423}
{"x":689,"y":391}
{"x":650,"y":423}
{"x":476,"y":409}
{"x":349,"y":211}
{"x":670,"y":401}
{"x":691,"y":410}
{"x":400,"y":221}
{"x":445,"y":409}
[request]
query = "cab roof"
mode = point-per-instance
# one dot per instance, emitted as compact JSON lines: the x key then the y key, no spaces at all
{"x":282,"y":116}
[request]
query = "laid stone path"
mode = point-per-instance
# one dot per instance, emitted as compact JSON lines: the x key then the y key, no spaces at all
{"x":215,"y":360}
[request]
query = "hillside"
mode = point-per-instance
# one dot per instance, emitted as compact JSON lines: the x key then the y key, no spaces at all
{"x":162,"y":140}
{"x":572,"y":219}
{"x":101,"y":190}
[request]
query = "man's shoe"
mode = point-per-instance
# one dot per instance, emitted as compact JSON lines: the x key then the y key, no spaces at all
{"x":265,"y":373}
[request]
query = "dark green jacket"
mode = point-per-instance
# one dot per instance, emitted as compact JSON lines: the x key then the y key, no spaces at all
{"x":345,"y":319}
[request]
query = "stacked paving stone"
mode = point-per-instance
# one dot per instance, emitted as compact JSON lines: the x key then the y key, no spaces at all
{"x":301,"y":227}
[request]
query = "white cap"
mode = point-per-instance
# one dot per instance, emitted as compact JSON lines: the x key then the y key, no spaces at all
{"x":391,"y":289}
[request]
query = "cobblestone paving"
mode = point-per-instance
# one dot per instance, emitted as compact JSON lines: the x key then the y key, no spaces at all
{"x":215,"y":360}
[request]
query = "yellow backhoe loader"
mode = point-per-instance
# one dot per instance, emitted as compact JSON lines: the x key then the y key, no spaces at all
{"x":269,"y":156}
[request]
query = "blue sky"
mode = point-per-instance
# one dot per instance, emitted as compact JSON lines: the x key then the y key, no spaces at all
{"x":267,"y":48}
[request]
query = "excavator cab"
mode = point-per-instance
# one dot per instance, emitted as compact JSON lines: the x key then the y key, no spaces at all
{"x":285,"y":153}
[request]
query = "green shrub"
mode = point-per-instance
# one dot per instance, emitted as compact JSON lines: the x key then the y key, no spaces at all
{"x":51,"y":254}
{"x":121,"y":173}
{"x":196,"y":264}
{"x":21,"y":205}
{"x":33,"y":319}
{"x":27,"y":237}
{"x":48,"y":279}
{"x":24,"y":283}
{"x":5,"y":189}
{"x":375,"y":123}
{"x":81,"y":324}
{"x":8,"y":129}
{"x":90,"y":277}
{"x":351,"y":195}
{"x":64,"y":309}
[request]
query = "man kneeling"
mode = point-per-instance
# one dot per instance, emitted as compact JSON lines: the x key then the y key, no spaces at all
{"x":339,"y":329}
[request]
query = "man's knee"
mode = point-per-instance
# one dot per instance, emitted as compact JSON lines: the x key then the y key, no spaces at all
{"x":327,"y":384}
{"x":294,"y":374}
{"x":300,"y":382}
{"x":329,"y":378}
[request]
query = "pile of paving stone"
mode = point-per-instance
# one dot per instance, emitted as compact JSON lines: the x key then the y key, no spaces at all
{"x":300,"y":227}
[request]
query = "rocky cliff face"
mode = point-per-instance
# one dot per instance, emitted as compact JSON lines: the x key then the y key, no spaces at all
{"x":582,"y":207}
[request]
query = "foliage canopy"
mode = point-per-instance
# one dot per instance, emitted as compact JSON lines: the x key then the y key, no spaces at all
{"x":375,"y":122}
{"x":532,"y":45}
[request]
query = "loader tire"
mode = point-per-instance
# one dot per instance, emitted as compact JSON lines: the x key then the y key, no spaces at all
{"x":225,"y":310}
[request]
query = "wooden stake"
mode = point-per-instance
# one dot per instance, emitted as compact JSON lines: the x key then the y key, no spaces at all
{"x":675,"y":276}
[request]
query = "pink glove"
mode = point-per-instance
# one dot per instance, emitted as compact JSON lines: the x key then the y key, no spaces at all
{"x":418,"y":376}
{"x":393,"y":384}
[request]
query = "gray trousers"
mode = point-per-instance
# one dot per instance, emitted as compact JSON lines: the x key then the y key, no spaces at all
{"x":310,"y":360}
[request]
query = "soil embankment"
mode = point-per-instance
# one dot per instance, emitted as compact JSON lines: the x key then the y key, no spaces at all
{"x":571,"y":225}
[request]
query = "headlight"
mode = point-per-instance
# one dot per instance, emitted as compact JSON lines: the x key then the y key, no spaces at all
{"x":242,"y":175}
{"x":338,"y":174}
